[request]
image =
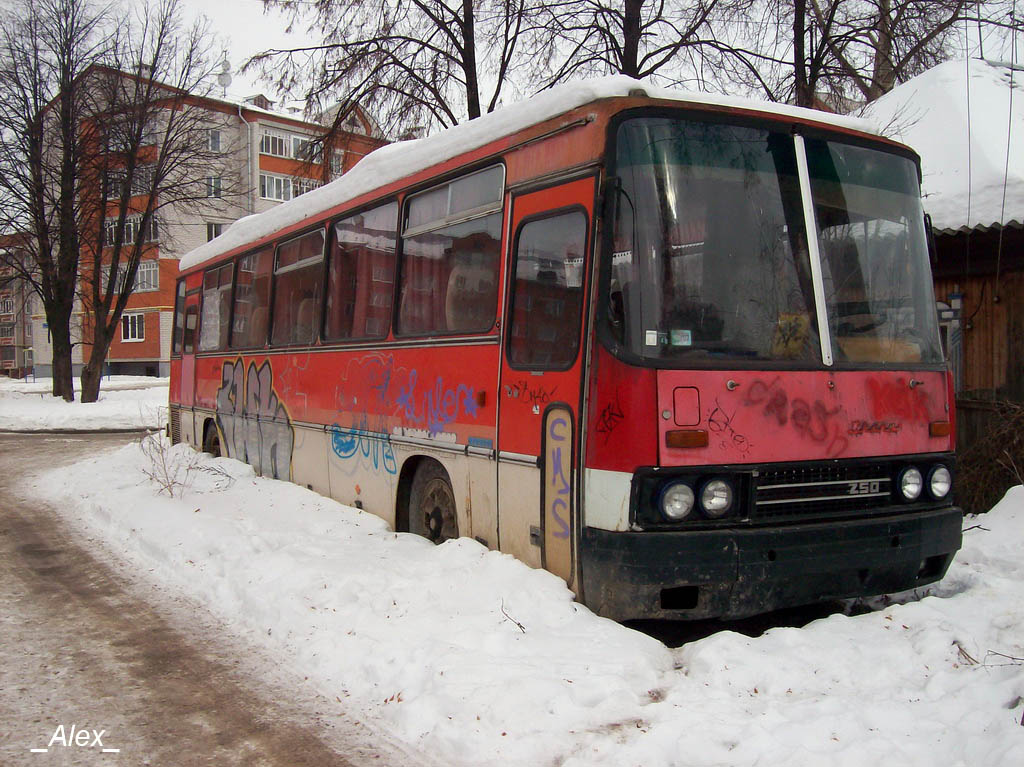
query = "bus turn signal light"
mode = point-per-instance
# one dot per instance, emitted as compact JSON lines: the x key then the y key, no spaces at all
{"x":683,"y":438}
{"x":940,"y":429}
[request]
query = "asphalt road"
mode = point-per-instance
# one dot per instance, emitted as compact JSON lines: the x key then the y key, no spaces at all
{"x":152,"y":681}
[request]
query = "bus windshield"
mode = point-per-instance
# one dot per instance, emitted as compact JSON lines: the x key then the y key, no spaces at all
{"x":710,"y":256}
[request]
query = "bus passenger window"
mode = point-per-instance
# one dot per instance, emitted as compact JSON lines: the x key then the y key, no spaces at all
{"x":213,"y":333}
{"x":361,"y":275}
{"x":189,"y":337}
{"x":298,"y":281}
{"x":252,"y":300}
{"x":179,"y":318}
{"x":547,"y":292}
{"x":450,"y":255}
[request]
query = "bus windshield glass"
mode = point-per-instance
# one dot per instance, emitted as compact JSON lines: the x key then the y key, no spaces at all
{"x":710,"y":258}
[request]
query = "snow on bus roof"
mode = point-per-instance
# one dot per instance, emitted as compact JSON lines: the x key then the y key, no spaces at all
{"x":395,"y":161}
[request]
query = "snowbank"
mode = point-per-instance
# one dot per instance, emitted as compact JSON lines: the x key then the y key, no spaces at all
{"x":126,"y":402}
{"x":482,"y":660}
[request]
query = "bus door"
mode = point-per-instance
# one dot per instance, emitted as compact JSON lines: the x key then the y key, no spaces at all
{"x":541,"y":374}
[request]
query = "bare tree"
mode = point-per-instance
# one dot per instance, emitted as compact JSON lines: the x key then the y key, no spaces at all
{"x":409,"y":62}
{"x":672,"y":40}
{"x":46,"y":46}
{"x":840,"y":51}
{"x":100,"y":134}
{"x":151,"y":155}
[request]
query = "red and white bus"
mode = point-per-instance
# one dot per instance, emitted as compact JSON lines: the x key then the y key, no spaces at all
{"x":680,"y":350}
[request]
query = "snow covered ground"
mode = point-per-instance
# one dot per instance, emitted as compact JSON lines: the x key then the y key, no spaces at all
{"x":126,"y":402}
{"x":479,"y":659}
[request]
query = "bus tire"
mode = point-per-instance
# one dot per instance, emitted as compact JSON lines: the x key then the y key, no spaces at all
{"x":432,"y":503}
{"x":211,"y":439}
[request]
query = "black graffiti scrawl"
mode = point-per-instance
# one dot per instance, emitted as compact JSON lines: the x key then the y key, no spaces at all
{"x":253,"y":421}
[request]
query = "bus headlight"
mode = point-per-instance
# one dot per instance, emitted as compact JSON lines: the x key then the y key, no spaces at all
{"x":716,"y":498}
{"x":676,"y":501}
{"x":910,"y":483}
{"x":939,"y":481}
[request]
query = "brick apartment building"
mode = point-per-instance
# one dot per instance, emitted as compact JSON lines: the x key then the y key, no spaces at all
{"x":274,"y":157}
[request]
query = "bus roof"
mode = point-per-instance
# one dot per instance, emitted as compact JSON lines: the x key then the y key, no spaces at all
{"x":396,"y":161}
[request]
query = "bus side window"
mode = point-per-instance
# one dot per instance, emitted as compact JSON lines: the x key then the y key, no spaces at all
{"x":189,"y":336}
{"x":216,"y":308}
{"x":252,"y":300}
{"x":179,"y":318}
{"x":361,"y":275}
{"x":548,"y":291}
{"x":298,"y":282}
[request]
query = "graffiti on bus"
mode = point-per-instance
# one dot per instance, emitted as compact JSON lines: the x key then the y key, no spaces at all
{"x":253,"y":422}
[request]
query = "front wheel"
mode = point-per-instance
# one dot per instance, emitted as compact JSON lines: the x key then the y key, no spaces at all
{"x":432,"y":503}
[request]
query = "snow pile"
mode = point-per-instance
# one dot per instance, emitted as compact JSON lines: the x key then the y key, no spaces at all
{"x":482,"y":660}
{"x":958,"y":123}
{"x":126,"y":402}
{"x":402,"y":159}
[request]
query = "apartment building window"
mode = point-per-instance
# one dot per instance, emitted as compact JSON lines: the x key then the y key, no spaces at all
{"x":132,"y":227}
{"x":6,"y":305}
{"x":213,"y":140}
{"x":303,"y":185}
{"x":213,"y":186}
{"x":147,"y":278}
{"x":337,"y":162}
{"x":214,"y":229}
{"x":6,"y":331}
{"x":274,"y":143}
{"x":116,"y":182}
{"x":275,"y":187}
{"x":133,"y":327}
{"x":306,"y":149}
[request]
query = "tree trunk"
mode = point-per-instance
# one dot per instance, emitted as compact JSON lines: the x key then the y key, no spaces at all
{"x":883,"y":74}
{"x":802,"y":94}
{"x":92,"y":373}
{"x":630,"y":64}
{"x":469,"y":60}
{"x":63,"y":378}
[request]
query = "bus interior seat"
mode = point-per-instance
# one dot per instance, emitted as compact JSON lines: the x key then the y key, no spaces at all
{"x":302,"y":329}
{"x":257,"y":335}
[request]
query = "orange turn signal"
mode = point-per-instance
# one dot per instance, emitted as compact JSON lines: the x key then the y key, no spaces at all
{"x":940,"y":429}
{"x":683,"y":438}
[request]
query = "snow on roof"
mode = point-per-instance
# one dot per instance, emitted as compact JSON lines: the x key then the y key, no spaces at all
{"x":402,"y":159}
{"x":930,"y":113}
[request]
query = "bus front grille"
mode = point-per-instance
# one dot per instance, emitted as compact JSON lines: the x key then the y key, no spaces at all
{"x":821,"y":490}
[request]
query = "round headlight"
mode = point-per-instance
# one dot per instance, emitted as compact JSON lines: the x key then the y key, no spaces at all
{"x":716,"y":498}
{"x":911,"y":483}
{"x":676,"y":501}
{"x":939,"y":481}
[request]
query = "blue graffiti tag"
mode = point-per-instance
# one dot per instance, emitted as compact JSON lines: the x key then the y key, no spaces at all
{"x":559,"y":483}
{"x":436,"y":407}
{"x":365,"y":445}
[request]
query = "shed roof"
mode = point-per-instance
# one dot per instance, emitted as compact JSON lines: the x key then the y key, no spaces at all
{"x":958,"y":117}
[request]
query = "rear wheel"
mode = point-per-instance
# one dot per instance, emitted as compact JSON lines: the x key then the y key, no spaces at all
{"x":211,"y":440}
{"x":432,"y":503}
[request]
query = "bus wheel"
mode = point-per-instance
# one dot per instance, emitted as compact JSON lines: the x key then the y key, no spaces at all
{"x":211,"y":440}
{"x":432,"y":503}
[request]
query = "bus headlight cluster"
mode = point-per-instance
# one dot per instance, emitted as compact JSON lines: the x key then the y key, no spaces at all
{"x":678,"y":500}
{"x":940,"y":481}
{"x":911,"y":483}
{"x":716,"y":498}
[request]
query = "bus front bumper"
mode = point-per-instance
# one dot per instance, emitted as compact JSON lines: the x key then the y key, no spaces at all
{"x":737,"y":572}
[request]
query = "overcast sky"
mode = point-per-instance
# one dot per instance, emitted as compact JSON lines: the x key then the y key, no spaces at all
{"x":244,"y":29}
